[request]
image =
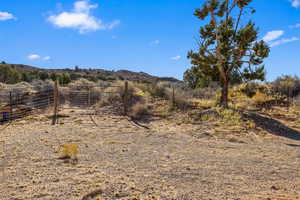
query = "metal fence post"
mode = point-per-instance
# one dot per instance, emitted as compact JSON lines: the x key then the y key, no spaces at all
{"x":89,"y":97}
{"x":173,"y":97}
{"x":55,"y":110}
{"x":126,"y":98}
{"x":10,"y":106}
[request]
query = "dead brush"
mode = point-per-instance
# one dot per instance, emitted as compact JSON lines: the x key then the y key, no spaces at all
{"x":139,"y":111}
{"x":69,"y":151}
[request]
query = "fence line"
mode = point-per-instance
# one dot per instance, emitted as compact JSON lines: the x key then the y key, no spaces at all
{"x":20,"y":102}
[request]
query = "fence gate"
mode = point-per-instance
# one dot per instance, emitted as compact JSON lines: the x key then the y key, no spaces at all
{"x":88,"y":100}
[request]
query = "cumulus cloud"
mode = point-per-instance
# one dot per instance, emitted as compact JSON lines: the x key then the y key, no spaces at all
{"x":33,"y":56}
{"x":273,"y":35}
{"x":80,"y":18}
{"x":295,"y":3}
{"x":6,"y":16}
{"x":283,"y":41}
{"x":176,"y":58}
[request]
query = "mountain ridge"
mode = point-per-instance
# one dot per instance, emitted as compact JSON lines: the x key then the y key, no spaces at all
{"x":94,"y":74}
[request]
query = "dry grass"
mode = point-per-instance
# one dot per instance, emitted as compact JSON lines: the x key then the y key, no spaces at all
{"x":69,"y":151}
{"x":139,"y":111}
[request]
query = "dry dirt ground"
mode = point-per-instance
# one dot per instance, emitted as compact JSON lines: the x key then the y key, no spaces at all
{"x":120,"y":160}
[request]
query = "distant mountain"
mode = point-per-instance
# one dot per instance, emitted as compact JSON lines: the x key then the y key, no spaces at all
{"x":94,"y":74}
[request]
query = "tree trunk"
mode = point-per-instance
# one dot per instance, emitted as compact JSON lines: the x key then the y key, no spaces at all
{"x":224,"y":95}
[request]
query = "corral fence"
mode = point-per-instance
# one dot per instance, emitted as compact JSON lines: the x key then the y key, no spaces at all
{"x":20,"y":102}
{"x":16,"y":103}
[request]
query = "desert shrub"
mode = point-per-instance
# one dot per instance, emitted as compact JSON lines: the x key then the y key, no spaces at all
{"x":69,"y":151}
{"x":219,"y":114}
{"x":8,"y":74}
{"x":203,"y":103}
{"x":81,"y":84}
{"x":287,"y":85}
{"x":260,"y":98}
{"x":229,"y":116}
{"x":40,"y":85}
{"x":203,"y":93}
{"x":139,"y":110}
{"x":154,"y":89}
{"x":250,"y":89}
{"x":179,"y":100}
{"x":115,"y":95}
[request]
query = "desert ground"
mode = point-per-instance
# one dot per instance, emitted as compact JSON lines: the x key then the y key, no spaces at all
{"x":154,"y":159}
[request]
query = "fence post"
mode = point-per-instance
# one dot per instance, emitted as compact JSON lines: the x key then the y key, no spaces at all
{"x":89,"y":97}
{"x":126,"y":98}
{"x":10,"y":107}
{"x":55,"y":110}
{"x":173,"y":97}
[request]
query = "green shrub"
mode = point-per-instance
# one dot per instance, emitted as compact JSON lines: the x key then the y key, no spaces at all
{"x":287,"y":85}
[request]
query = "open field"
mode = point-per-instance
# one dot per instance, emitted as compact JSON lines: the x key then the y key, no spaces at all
{"x":170,"y":160}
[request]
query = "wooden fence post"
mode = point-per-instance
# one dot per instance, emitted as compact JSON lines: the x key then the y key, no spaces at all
{"x":126,"y":98}
{"x":173,"y":97}
{"x":55,"y":109}
{"x":10,"y":106}
{"x":89,"y":97}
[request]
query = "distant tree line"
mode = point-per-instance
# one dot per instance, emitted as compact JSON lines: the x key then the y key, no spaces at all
{"x":9,"y":74}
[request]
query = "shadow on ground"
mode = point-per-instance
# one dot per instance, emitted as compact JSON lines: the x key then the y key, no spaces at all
{"x":273,"y":126}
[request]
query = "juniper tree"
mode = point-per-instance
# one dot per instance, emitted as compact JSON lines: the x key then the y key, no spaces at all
{"x":228,"y":46}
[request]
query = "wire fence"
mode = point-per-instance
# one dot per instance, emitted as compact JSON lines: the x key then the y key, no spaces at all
{"x":16,"y":103}
{"x":20,"y":103}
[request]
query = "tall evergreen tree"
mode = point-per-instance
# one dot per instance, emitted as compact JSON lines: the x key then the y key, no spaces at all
{"x":227,"y":46}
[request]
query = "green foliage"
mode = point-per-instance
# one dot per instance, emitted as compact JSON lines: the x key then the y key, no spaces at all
{"x":43,"y":75}
{"x":228,"y":51}
{"x":287,"y":85}
{"x":9,"y":75}
{"x":64,"y":79}
{"x":53,"y":77}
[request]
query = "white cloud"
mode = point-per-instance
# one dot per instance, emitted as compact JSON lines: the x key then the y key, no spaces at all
{"x":33,"y":56}
{"x":6,"y":16}
{"x":46,"y":58}
{"x":283,"y":41}
{"x":295,"y":26}
{"x":113,"y":24}
{"x":80,"y":18}
{"x":176,"y":58}
{"x":273,"y":35}
{"x":295,"y":3}
{"x":155,"y":42}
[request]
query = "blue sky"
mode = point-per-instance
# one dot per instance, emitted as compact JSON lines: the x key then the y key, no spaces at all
{"x":139,"y":35}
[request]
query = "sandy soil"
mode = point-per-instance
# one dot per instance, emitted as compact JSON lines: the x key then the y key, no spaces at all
{"x":120,"y":160}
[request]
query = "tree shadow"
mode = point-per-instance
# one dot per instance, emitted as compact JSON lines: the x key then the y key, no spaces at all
{"x":293,"y":145}
{"x":273,"y":126}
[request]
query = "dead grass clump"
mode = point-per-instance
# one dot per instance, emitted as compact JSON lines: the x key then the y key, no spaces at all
{"x":82,"y":84}
{"x":69,"y":151}
{"x":260,"y":98}
{"x":155,"y":90}
{"x":203,"y":103}
{"x":179,"y":102}
{"x":219,"y":114}
{"x":139,"y":111}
